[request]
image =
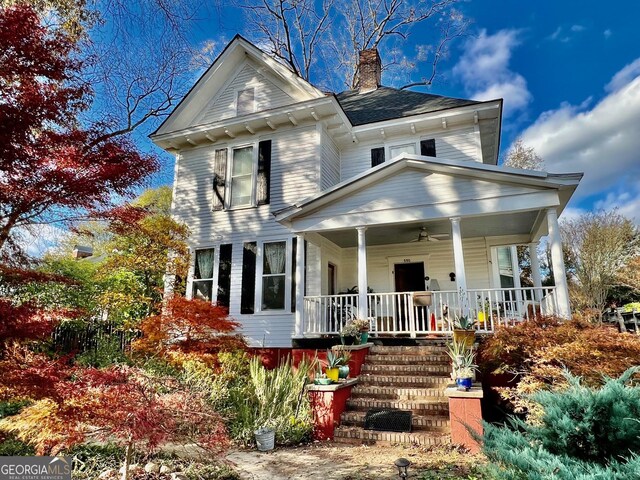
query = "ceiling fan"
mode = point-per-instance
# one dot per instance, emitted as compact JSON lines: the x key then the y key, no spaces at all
{"x":423,"y":236}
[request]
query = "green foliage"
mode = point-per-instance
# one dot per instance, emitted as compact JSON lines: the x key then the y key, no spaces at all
{"x":333,"y":360}
{"x":106,"y":353}
{"x":10,"y":446}
{"x":630,"y":307}
{"x":464,"y":323}
{"x":273,"y":398}
{"x":584,"y":434}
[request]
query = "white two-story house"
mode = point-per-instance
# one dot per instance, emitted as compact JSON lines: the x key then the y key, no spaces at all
{"x":307,"y":208}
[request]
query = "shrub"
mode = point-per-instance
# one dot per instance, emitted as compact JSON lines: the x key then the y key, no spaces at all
{"x":584,"y":433}
{"x":538,"y":351}
{"x":273,"y":398}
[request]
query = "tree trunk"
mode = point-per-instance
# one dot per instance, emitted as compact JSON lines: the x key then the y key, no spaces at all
{"x":127,"y":460}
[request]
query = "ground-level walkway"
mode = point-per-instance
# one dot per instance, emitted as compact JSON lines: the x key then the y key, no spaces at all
{"x":342,"y":462}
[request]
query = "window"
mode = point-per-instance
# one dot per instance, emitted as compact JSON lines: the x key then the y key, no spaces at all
{"x":241,"y":177}
{"x":245,"y":102}
{"x":398,"y":149}
{"x":428,"y":147}
{"x":377,"y":156}
{"x":505,"y":267}
{"x":274,"y":267}
{"x":203,"y":274}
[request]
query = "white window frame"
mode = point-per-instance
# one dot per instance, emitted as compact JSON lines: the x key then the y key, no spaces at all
{"x":237,"y":95}
{"x":192,"y":270}
{"x":254,"y":175}
{"x":287,"y":274}
{"x":495,"y":265}
{"x":416,"y":148}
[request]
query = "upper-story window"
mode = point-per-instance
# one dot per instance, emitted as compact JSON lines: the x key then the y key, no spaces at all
{"x":396,"y":150}
{"x":245,"y":101}
{"x":242,"y":177}
{"x":244,"y":180}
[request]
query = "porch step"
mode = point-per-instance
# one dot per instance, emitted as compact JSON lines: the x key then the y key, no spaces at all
{"x":434,"y":423}
{"x":408,"y":350}
{"x":418,"y":407}
{"x":392,"y":359}
{"x":397,"y":393}
{"x":358,"y":436}
{"x":404,"y":381}
{"x":411,"y":369}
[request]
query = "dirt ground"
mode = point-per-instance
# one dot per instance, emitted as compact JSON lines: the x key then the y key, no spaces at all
{"x":345,"y":462}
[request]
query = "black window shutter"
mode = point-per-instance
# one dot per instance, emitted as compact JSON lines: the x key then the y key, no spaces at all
{"x":248,"y":292}
{"x":219,"y":178}
{"x":294,"y":245}
{"x":224,"y":275}
{"x":264,"y":173}
{"x":428,"y":148}
{"x":377,"y":156}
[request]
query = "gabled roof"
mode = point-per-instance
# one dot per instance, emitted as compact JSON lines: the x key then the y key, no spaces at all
{"x":387,"y":103}
{"x":214,"y":77}
{"x":565,"y":182}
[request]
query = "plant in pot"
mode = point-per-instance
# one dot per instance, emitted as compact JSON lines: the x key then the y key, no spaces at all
{"x":462,"y":362}
{"x":344,"y":356}
{"x":333,"y":363}
{"x":362,"y":326}
{"x":464,"y":331}
{"x":349,"y":334}
{"x":265,"y":438}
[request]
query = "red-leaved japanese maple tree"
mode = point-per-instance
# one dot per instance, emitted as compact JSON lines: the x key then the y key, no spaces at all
{"x":53,"y":163}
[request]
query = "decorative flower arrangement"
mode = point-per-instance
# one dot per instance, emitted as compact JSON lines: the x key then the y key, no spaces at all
{"x":350,"y":330}
{"x":361,"y":324}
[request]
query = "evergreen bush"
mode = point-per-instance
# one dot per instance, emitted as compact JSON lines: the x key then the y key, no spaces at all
{"x":584,"y":433}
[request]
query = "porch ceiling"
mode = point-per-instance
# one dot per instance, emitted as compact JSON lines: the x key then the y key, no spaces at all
{"x":520,"y":223}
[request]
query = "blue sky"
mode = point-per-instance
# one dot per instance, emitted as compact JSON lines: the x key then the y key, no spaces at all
{"x":570,"y":76}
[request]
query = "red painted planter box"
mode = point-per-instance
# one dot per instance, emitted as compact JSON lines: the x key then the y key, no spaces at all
{"x":465,"y":414}
{"x":327,"y":404}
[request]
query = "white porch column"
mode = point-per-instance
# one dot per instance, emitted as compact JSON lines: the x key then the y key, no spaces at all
{"x":458,"y":258}
{"x":300,"y":284}
{"x":362,"y":273}
{"x":557,"y":262}
{"x":535,"y":271}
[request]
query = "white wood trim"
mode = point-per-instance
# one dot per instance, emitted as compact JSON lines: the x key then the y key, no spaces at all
{"x":557,"y":262}
{"x":362,"y":272}
{"x":535,"y":270}
{"x":458,"y":260}
{"x":300,"y":284}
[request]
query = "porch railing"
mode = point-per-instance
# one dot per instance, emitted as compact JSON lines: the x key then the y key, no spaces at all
{"x":395,"y":313}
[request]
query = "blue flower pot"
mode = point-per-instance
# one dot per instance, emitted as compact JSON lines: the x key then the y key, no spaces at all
{"x":464,"y":383}
{"x":343,"y":371}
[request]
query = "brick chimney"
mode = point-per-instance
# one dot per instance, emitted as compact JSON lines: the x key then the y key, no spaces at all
{"x":369,"y":70}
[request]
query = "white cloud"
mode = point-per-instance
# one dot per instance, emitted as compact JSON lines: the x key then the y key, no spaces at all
{"x":485,"y":73}
{"x":624,"y":76}
{"x":578,"y":28}
{"x":602,"y":140}
{"x":625,"y":199}
{"x":607,"y":33}
{"x":36,"y":240}
{"x":556,"y":34}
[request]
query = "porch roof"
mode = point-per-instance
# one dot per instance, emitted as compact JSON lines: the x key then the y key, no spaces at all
{"x":413,"y":188}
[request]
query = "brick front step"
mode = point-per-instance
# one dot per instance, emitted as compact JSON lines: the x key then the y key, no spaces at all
{"x":397,"y":393}
{"x":418,"y":407}
{"x":407,"y":369}
{"x":404,"y":381}
{"x":357,"y":435}
{"x":390,"y":359}
{"x":435,"y":423}
{"x":408,"y":350}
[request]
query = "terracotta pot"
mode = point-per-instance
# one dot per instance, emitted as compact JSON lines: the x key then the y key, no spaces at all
{"x":468,"y":337}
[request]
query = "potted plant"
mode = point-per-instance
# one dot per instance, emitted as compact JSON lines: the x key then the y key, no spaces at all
{"x":462,"y":362}
{"x":464,"y":331}
{"x":321,"y":379}
{"x":344,"y":356}
{"x":333,"y":362}
{"x":349,"y":334}
{"x":362,"y":326}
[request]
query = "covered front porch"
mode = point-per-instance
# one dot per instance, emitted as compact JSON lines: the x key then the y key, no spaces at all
{"x":416,"y":243}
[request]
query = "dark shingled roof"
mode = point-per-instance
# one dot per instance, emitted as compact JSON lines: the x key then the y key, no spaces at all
{"x":388,"y":103}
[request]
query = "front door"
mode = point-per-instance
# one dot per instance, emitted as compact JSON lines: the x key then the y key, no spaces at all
{"x":409,"y":277}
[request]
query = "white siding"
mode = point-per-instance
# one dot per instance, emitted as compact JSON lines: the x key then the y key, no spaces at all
{"x":438,"y":266}
{"x":294,"y":159}
{"x":458,"y":144}
{"x":267,"y":95}
{"x":330,"y":161}
{"x":415,"y":187}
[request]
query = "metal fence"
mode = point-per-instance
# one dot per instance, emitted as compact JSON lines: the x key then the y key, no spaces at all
{"x":77,"y":338}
